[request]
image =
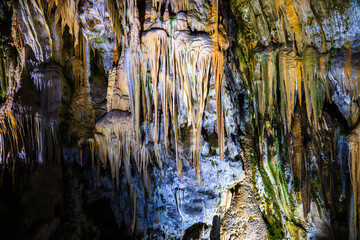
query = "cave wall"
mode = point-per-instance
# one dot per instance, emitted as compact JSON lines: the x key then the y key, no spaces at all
{"x":190,"y":119}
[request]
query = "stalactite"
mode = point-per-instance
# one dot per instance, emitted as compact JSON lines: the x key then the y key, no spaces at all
{"x":218,"y":68}
{"x":166,"y":63}
{"x":295,"y":74}
{"x":323,"y":57}
{"x":287,"y":76}
{"x":314,"y":93}
{"x":116,"y":143}
{"x":133,"y":206}
{"x":21,"y":128}
{"x":351,"y":83}
{"x":91,"y":142}
{"x":291,"y":13}
{"x":156,"y":41}
{"x":39,"y":137}
{"x":193,"y":69}
{"x":297,"y":161}
{"x":117,"y":90}
{"x":115,"y":10}
{"x":173,"y":70}
{"x":266,"y":75}
{"x":281,"y":17}
{"x":67,"y":10}
{"x":10,"y":132}
{"x":218,"y":71}
{"x":354,"y":168}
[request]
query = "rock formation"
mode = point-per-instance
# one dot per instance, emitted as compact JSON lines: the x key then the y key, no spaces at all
{"x":179,"y":119}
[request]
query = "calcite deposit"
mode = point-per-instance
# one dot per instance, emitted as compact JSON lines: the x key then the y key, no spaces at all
{"x":179,"y":119}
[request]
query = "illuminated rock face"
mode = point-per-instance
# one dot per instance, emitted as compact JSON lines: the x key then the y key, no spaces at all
{"x":180,"y":119}
{"x":300,"y":62}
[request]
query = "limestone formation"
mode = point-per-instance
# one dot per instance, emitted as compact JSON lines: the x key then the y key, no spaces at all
{"x":179,"y":119}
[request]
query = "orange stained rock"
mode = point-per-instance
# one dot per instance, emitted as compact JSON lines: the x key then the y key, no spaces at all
{"x":289,"y":5}
{"x":281,"y":17}
{"x":350,"y":81}
{"x":298,"y":146}
{"x":116,"y":11}
{"x":12,"y":133}
{"x":67,"y":11}
{"x":354,"y":168}
{"x":299,"y":80}
{"x":218,"y":68}
{"x":270,"y":72}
